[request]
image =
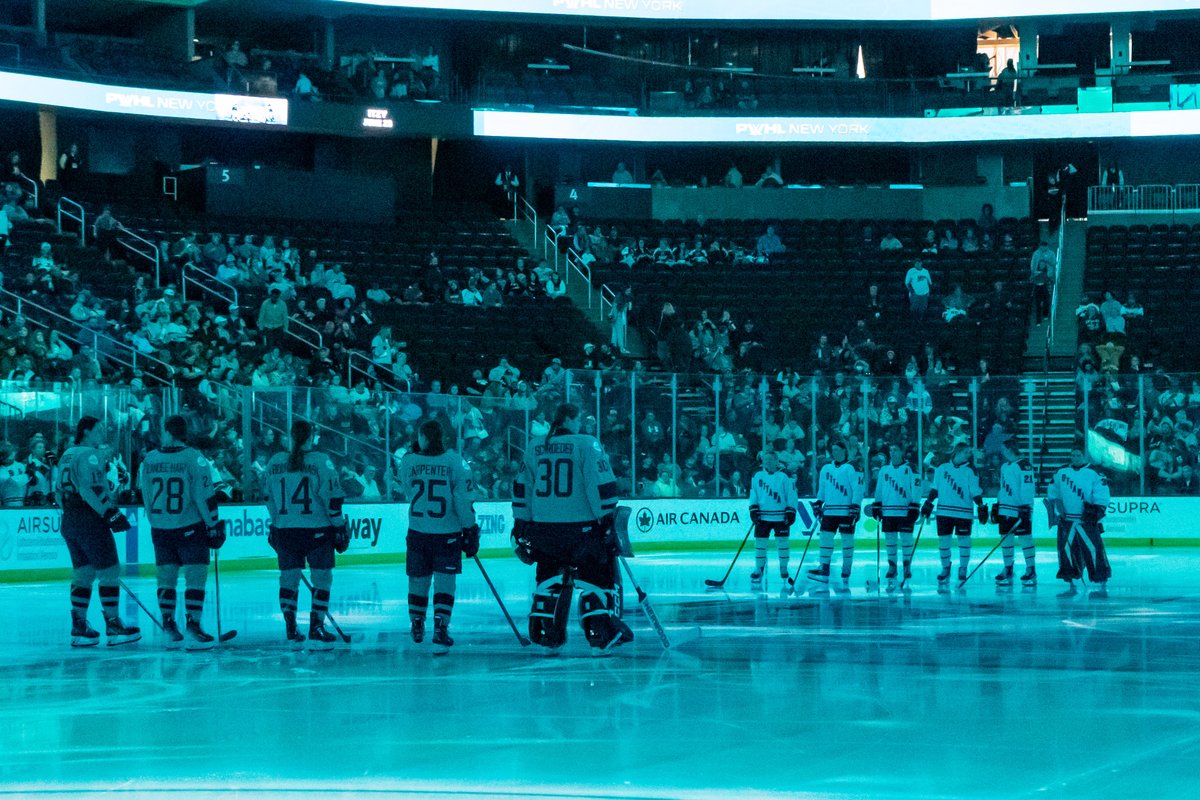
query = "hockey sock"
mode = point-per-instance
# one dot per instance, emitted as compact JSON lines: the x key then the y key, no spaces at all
{"x":322,"y":581}
{"x":287,"y":600}
{"x":944,"y":550}
{"x":418,"y":596}
{"x":826,"y":548}
{"x":783,"y":547}
{"x":1027,"y":549}
{"x":166,"y":602}
{"x":443,"y":597}
{"x":889,"y":540}
{"x":906,"y":541}
{"x":81,"y":598}
{"x":964,"y":552}
{"x":760,"y":554}
{"x":110,"y":592}
{"x":193,"y":603}
{"x":847,"y":553}
{"x":1006,"y":547}
{"x":194,"y":578}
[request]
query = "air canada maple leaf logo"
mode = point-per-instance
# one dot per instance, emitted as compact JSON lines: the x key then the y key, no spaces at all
{"x":645,"y":520}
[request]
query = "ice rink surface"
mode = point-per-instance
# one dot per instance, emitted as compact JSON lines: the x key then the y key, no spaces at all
{"x":969,"y":694}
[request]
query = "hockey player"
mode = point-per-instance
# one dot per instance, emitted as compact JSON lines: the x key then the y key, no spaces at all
{"x":1078,"y":500}
{"x":564,"y":500}
{"x":304,"y":499}
{"x":441,"y":528}
{"x":1013,"y":512}
{"x":772,"y":510}
{"x":896,"y":507}
{"x":838,"y":506}
{"x":955,"y":488}
{"x":181,"y":507}
{"x":90,"y":518}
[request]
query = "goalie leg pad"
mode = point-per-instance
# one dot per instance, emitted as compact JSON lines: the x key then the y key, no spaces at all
{"x":1088,"y":552}
{"x":1068,"y":570}
{"x":595,"y":615}
{"x":551,"y":607}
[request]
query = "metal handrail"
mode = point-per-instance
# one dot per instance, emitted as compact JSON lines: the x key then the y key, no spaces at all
{"x":525,"y":209}
{"x":1145,"y":197}
{"x":81,"y":219}
{"x":296,"y":322}
{"x":550,"y":240}
{"x":508,"y":440}
{"x":575,"y":262}
{"x":351,"y":369}
{"x":257,"y":396}
{"x":153,"y":256}
{"x":605,"y":294}
{"x":22,"y":302}
{"x":185,"y":279}
{"x":34,"y":188}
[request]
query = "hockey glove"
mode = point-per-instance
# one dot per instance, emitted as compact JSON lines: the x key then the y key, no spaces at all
{"x":1025,"y":514}
{"x":216,"y":535}
{"x":981,"y":512}
{"x":789,"y":517}
{"x":877,"y":510}
{"x":854,"y":513}
{"x":995,"y":515}
{"x":116,"y":521}
{"x":1093,"y":513}
{"x":914,"y":512}
{"x":470,"y":541}
{"x":818,"y":509}
{"x":522,"y":545}
{"x":341,"y":538}
{"x":927,"y":509}
{"x":755,"y":514}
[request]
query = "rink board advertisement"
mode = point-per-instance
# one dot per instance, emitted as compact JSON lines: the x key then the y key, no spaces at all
{"x":31,"y":539}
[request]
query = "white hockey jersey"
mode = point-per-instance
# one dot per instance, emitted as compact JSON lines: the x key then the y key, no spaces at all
{"x":565,"y":479}
{"x":957,"y":488}
{"x":840,"y":489}
{"x":1072,"y":487}
{"x":773,"y":493}
{"x":897,"y":488}
{"x":1016,"y":487}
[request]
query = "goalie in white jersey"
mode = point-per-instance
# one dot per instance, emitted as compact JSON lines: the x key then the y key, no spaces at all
{"x":564,"y":500}
{"x":1077,"y":500}
{"x":896,"y":507}
{"x":772,"y":510}
{"x":956,"y":488}
{"x":838,"y":505}
{"x":1013,"y":512}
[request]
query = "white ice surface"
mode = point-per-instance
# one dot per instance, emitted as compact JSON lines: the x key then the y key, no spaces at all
{"x":974,"y":694}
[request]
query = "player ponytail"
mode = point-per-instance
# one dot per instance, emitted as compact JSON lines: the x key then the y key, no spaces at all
{"x":301,"y":433}
{"x":565,"y":412}
{"x":84,"y":427}
{"x":434,"y":438}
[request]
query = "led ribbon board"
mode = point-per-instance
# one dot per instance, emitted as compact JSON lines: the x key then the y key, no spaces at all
{"x":780,"y":10}
{"x":832,"y":130}
{"x":20,"y":88}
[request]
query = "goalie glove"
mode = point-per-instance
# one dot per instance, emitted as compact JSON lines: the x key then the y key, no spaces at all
{"x":341,"y":538}
{"x":522,"y":546}
{"x":981,"y":512}
{"x":216,"y":535}
{"x":877,"y":510}
{"x":1093,"y":513}
{"x":470,"y":541}
{"x":116,"y":521}
{"x":927,"y":509}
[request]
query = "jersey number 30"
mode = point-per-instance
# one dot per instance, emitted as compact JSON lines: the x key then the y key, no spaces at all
{"x":555,"y":478}
{"x":172,"y":489}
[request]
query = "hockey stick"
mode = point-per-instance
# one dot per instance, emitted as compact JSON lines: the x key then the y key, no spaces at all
{"x":720,"y":583}
{"x":983,"y":560}
{"x":792,"y":581}
{"x":916,"y":542}
{"x":346,"y":639}
{"x":644,"y":602}
{"x":227,"y":635}
{"x":138,"y":600}
{"x":525,"y":642}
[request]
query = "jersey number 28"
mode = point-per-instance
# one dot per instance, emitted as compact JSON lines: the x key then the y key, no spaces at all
{"x":172,"y":490}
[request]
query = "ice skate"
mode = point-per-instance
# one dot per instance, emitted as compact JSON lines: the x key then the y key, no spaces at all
{"x":943,"y":577}
{"x":294,"y":637}
{"x":891,"y":571}
{"x":441,"y":638}
{"x":1029,"y":578}
{"x":962,"y":575}
{"x":1100,"y":592}
{"x":417,"y":629}
{"x":197,"y":639}
{"x":819,"y":574}
{"x":117,"y":633}
{"x":82,"y":634}
{"x":1070,"y":591}
{"x":756,"y":576}
{"x":320,"y":639}
{"x":1005,"y":577}
{"x":172,"y":634}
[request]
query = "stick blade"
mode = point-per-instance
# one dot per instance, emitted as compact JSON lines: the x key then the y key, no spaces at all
{"x":227,"y":635}
{"x":713,"y":584}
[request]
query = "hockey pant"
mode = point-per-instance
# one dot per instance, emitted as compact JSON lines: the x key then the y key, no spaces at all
{"x":1081,"y":547}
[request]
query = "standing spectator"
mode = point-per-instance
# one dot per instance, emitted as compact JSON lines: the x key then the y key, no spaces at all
{"x":622,"y":175}
{"x":1044,"y":256}
{"x":70,"y":167}
{"x":235,"y":61}
{"x":733,"y":178}
{"x":104,"y":230}
{"x":619,"y":316}
{"x":508,"y":183}
{"x":272,"y":319}
{"x":918,"y":282}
